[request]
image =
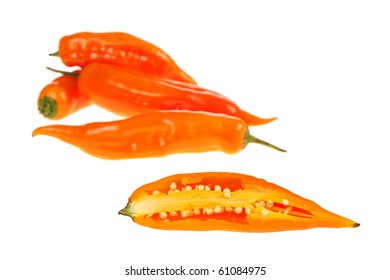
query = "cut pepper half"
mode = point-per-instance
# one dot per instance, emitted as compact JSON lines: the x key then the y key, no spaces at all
{"x":225,"y":201}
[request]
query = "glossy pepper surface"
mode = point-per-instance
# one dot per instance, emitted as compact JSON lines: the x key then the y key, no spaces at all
{"x":61,"y":97}
{"x":122,"y":49}
{"x":126,"y":93}
{"x":225,"y":201}
{"x":156,"y":134}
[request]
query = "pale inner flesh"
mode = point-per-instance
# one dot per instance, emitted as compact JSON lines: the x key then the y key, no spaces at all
{"x":207,"y":201}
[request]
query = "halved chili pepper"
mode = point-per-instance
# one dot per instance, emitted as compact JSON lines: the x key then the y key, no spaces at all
{"x":61,"y":97}
{"x":225,"y":201}
{"x":156,"y":134}
{"x":122,"y":49}
{"x":126,"y":93}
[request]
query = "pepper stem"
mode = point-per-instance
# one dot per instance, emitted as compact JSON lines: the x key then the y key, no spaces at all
{"x":47,"y":107}
{"x":54,"y":54}
{"x":73,"y":74}
{"x":127,"y":211}
{"x":252,"y":139}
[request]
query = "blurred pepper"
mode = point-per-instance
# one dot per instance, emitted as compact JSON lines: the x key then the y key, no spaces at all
{"x":122,"y":49}
{"x":61,"y":97}
{"x":126,"y":93}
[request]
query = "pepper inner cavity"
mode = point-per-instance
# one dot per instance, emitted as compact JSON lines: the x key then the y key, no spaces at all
{"x":204,"y":202}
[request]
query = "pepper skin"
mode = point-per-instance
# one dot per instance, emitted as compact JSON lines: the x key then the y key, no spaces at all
{"x":225,"y":201}
{"x":125,"y":93}
{"x":156,"y":134}
{"x":122,"y":49}
{"x":61,"y":97}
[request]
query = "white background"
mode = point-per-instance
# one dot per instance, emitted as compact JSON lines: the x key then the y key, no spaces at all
{"x":321,"y":67}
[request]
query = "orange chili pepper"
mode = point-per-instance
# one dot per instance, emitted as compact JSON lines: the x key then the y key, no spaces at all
{"x":122,"y":49}
{"x":123,"y":92}
{"x":61,"y":98}
{"x":156,"y":134}
{"x":225,"y":201}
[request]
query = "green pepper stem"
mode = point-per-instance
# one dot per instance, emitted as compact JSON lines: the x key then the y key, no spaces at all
{"x":73,"y":74}
{"x":252,"y":139}
{"x":54,"y":54}
{"x":127,"y":211}
{"x":47,"y":107}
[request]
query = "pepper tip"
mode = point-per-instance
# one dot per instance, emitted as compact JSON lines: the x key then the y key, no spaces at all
{"x":34,"y":133}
